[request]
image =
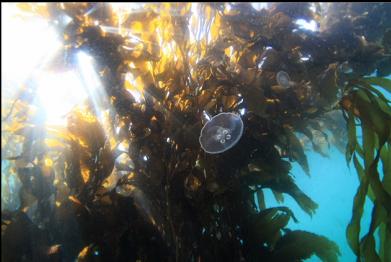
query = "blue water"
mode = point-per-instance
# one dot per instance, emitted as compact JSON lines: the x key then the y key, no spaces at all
{"x":332,"y":186}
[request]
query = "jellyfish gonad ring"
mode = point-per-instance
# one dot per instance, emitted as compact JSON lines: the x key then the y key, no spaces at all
{"x":221,"y":133}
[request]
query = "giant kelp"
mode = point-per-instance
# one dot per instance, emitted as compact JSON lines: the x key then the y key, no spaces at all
{"x":133,"y":183}
{"x":365,"y":104}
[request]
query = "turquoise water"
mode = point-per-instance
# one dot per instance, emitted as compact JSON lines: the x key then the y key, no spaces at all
{"x":332,"y":186}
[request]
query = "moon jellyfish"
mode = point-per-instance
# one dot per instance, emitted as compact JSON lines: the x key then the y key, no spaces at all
{"x":283,"y":79}
{"x":221,"y":133}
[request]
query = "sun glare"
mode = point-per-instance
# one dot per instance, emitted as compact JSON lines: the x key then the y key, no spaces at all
{"x":259,"y":6}
{"x":307,"y":25}
{"x":58,"y":94}
{"x":29,"y":43}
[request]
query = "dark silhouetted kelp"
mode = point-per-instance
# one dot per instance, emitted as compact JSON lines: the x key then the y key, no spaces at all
{"x":131,"y":182}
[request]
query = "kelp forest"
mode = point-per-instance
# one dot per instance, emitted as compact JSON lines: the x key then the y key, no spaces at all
{"x":139,"y":171}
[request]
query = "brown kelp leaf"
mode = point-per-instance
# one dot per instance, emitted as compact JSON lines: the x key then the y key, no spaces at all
{"x":379,"y":216}
{"x":385,"y":242}
{"x":270,"y":221}
{"x":365,"y":85}
{"x":382,"y":196}
{"x":297,"y":245}
{"x":85,"y":174}
{"x":285,"y":184}
{"x":385,"y":156}
{"x":352,"y":140}
{"x":347,"y":104}
{"x":328,"y":85}
{"x":371,"y":163}
{"x":75,"y":200}
{"x":320,"y":143}
{"x":373,"y":117}
{"x":368,"y":249}
{"x":353,"y":229}
{"x":278,"y":196}
{"x":261,"y":199}
{"x":379,"y":81}
{"x":368,"y":142}
{"x":275,"y":175}
{"x":297,"y":152}
{"x":83,"y":254}
{"x":361,"y":174}
{"x":255,"y":99}
{"x":317,"y":138}
{"x":375,"y":97}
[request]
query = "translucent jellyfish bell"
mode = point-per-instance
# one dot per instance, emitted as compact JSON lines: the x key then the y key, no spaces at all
{"x":221,"y":133}
{"x":283,"y":79}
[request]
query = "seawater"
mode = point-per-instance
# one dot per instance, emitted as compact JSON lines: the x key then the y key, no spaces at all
{"x":332,"y":185}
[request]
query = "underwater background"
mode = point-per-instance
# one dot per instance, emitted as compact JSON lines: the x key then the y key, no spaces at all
{"x":108,"y":153}
{"x":332,"y":185}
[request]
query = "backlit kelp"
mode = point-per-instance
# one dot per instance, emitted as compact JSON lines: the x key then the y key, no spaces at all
{"x":365,"y":104}
{"x":126,"y":178}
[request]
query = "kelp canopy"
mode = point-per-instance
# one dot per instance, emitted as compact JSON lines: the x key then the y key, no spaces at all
{"x":127,"y":180}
